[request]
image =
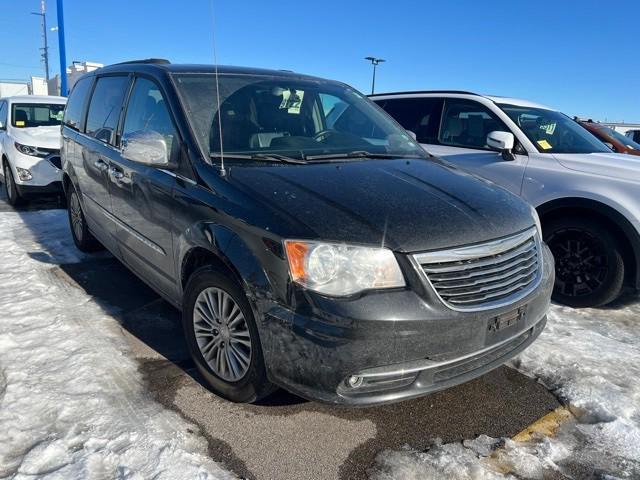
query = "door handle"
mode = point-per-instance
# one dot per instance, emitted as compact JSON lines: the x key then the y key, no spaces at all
{"x":116,"y":174}
{"x":101,"y":165}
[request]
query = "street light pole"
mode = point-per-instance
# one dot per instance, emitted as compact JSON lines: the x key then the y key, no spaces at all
{"x":45,"y":49}
{"x":375,"y":62}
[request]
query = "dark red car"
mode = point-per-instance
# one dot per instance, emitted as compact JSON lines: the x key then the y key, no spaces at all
{"x":616,"y":141}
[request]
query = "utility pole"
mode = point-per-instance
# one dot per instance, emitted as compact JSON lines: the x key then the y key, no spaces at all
{"x":45,"y":48}
{"x":62,"y":50}
{"x":375,"y":62}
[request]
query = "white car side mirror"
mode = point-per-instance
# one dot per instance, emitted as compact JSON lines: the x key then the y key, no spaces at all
{"x":501,"y":140}
{"x":412,"y":135}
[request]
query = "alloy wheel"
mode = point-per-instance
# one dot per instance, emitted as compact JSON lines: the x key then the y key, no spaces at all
{"x":222,"y":334}
{"x":8,"y":183}
{"x":581,"y":262}
{"x":75,"y":211}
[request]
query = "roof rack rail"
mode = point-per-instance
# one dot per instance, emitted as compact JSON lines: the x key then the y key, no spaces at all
{"x":153,"y":61}
{"x":425,"y":91}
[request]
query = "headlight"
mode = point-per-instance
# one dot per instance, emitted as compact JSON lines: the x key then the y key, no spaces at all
{"x":340,"y":270}
{"x":29,"y":150}
{"x":536,"y":218}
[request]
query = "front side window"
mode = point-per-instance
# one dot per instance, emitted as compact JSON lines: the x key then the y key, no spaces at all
{"x":300,"y":118}
{"x":553,"y":132}
{"x":466,"y":123}
{"x":147,"y":111}
{"x":75,"y":105}
{"x":418,"y":115}
{"x":27,"y":115}
{"x":105,"y":108}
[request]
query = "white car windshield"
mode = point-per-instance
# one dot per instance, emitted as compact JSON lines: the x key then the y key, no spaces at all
{"x":25,"y":115}
{"x":303,"y":119}
{"x":553,"y":132}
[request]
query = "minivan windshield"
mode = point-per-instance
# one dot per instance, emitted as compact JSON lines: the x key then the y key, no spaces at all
{"x":25,"y":115}
{"x":553,"y":132}
{"x":274,"y":118}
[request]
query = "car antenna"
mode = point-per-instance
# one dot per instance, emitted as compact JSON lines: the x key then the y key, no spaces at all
{"x":223,"y":172}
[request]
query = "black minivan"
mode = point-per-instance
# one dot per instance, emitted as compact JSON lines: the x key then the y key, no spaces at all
{"x":308,"y":240}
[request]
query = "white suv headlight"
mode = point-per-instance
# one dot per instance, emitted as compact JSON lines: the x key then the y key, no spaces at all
{"x":341,"y":270}
{"x":29,"y":150}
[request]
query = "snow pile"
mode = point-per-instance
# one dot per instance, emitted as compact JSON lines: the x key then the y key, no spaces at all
{"x":591,"y":360}
{"x":72,"y":403}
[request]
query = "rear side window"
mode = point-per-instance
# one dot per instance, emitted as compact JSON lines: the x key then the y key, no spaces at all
{"x":466,"y":123}
{"x":3,"y":114}
{"x":75,"y":104}
{"x":105,"y":108}
{"x":419,"y":115}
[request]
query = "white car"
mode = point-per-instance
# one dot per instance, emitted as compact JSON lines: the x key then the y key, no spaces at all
{"x":30,"y":145}
{"x":587,"y":197}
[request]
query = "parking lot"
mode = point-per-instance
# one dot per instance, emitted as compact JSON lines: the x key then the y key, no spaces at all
{"x":287,"y":437}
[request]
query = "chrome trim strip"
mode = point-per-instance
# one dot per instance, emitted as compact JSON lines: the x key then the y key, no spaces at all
{"x":420,"y":365}
{"x":180,"y":177}
{"x":494,"y":248}
{"x":476,"y":251}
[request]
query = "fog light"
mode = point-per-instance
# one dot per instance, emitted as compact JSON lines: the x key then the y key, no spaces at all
{"x":354,"y":381}
{"x":24,"y":174}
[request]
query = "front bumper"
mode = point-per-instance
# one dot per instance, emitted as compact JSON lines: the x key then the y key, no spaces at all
{"x":44,"y":171}
{"x":396,"y":345}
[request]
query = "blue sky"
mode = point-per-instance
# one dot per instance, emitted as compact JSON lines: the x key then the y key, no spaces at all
{"x":579,"y":56}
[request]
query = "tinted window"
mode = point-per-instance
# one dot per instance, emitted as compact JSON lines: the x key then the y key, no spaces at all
{"x":147,"y":111}
{"x":75,"y":105}
{"x":105,"y":108}
{"x":3,"y":114}
{"x":419,"y":115}
{"x":466,"y":123}
{"x":26,"y":115}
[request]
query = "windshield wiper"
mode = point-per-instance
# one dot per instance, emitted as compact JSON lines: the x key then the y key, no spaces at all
{"x":361,"y":154}
{"x":261,"y":157}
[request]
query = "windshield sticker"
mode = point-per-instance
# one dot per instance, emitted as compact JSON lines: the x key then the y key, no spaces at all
{"x":292,"y":101}
{"x":544,"y":144}
{"x":550,"y":128}
{"x":19,"y":123}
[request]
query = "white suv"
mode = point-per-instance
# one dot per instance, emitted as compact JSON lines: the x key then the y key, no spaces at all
{"x":588,"y":198}
{"x":30,"y":145}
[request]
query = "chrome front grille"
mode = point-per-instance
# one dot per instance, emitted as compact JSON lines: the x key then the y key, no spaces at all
{"x":483,"y":276}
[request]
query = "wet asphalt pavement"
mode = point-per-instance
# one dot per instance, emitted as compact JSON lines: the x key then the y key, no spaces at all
{"x":286,"y":437}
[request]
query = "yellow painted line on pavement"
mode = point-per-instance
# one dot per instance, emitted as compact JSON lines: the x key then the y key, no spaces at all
{"x":547,"y":425}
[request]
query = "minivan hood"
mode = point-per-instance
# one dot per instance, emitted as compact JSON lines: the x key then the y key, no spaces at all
{"x":615,"y":165}
{"x":45,"y":137}
{"x":405,"y":205}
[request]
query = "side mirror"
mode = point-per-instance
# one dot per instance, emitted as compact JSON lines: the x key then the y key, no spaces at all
{"x":147,"y":147}
{"x":412,"y":135}
{"x":502,"y":142}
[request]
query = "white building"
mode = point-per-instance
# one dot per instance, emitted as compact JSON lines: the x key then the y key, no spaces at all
{"x":74,"y":72}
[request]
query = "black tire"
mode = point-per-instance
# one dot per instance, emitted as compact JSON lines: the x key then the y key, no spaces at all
{"x":13,"y":196}
{"x":589,"y":263}
{"x":82,"y":237}
{"x":254,"y":384}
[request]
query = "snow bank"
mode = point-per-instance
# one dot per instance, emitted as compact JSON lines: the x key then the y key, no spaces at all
{"x":72,"y":403}
{"x":591,"y":360}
